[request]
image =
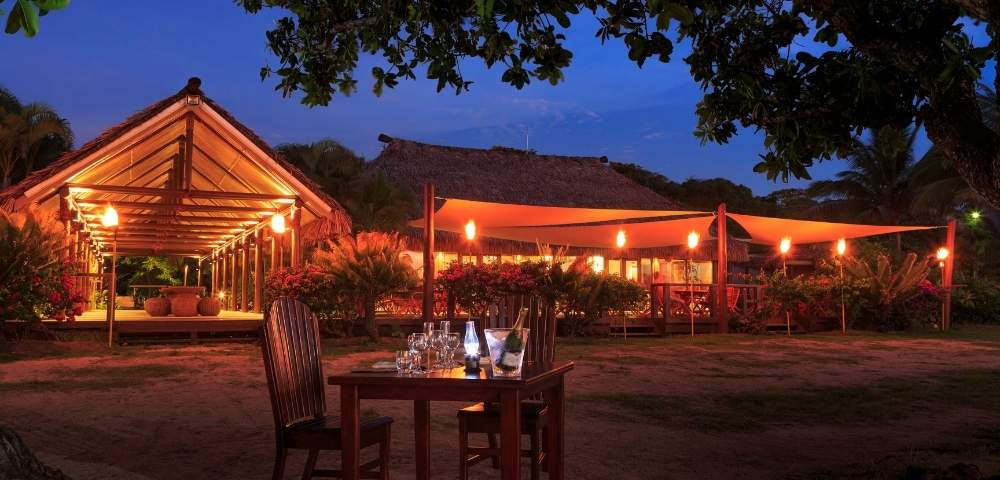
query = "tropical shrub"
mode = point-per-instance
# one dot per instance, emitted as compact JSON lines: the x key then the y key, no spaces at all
{"x":474,"y":287}
{"x":367,"y":267}
{"x":312,"y":286}
{"x":895,"y":295}
{"x":34,"y":282}
{"x":977,"y":302}
{"x":593,"y":294}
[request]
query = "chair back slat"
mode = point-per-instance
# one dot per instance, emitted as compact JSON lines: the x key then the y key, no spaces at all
{"x":293,"y":363}
{"x":541,"y":323}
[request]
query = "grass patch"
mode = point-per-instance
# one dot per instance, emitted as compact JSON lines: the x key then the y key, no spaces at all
{"x":341,"y":349}
{"x":97,"y":377}
{"x":887,"y":400}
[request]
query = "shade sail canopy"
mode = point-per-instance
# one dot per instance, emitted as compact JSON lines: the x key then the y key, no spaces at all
{"x":770,"y":231}
{"x":456,"y":213}
{"x":658,"y":233}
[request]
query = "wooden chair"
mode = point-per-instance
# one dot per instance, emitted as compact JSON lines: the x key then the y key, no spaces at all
{"x":293,"y":364}
{"x":485,"y":417}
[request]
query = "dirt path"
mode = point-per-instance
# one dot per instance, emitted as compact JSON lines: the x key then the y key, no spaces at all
{"x":739,"y":407}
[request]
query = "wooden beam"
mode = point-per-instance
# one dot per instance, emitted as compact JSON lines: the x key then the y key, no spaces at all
{"x":258,"y":271}
{"x":947,"y":274}
{"x":188,"y":150}
{"x":428,"y":307}
{"x":244,"y":275}
{"x":722,"y":272}
{"x":189,"y":218}
{"x":177,"y":193}
{"x":165,"y":227}
{"x":184,"y":207}
{"x":295,"y":236}
{"x":206,"y":237}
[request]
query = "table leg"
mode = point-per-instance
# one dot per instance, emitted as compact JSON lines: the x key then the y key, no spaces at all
{"x":422,"y":430}
{"x":350,"y":431}
{"x":555,"y":450}
{"x":510,"y":435}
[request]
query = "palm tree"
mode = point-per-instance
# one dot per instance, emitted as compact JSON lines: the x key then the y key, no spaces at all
{"x":329,"y":163}
{"x":876,"y":187}
{"x":29,"y":134}
{"x":374,"y":203}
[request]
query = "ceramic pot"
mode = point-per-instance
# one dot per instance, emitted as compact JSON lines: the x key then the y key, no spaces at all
{"x":184,"y":305}
{"x":209,"y":307}
{"x":157,"y":307}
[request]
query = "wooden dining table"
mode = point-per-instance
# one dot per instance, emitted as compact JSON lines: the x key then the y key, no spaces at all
{"x":451,"y":385}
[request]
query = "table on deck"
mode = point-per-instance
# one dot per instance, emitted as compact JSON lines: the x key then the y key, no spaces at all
{"x":456,"y":385}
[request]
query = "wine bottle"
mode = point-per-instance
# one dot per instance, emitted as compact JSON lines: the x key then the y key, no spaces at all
{"x":513,"y":346}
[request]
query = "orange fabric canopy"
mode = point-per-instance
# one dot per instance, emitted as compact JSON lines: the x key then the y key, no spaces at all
{"x":456,"y":213}
{"x":770,"y":231}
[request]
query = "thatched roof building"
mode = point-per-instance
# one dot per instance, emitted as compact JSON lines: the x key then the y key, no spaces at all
{"x":508,"y":175}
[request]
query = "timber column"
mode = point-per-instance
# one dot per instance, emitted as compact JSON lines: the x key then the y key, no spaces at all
{"x":428,"y":308}
{"x":722,"y":272}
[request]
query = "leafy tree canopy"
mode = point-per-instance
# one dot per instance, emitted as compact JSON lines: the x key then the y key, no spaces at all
{"x":864,"y":65}
{"x":24,"y":14}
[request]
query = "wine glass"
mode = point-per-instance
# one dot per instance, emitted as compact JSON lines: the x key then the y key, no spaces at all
{"x":418,"y":345}
{"x":404,"y":361}
{"x":438,"y":338}
{"x":451,"y":344}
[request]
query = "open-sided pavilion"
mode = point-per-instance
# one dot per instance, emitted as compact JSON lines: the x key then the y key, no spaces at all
{"x":187,"y":180}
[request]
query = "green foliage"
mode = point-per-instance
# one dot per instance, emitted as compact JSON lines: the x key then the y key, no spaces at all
{"x":977,"y":302}
{"x":368,"y":266}
{"x":851,"y":74}
{"x":897,"y":297}
{"x":147,"y":271}
{"x":334,"y":309}
{"x":374,"y":203}
{"x":594,"y":294}
{"x":24,"y":14}
{"x":30,"y":134}
{"x":34,"y":282}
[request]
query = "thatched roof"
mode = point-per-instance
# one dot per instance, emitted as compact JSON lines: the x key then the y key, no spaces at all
{"x":338,"y":220}
{"x":509,"y":175}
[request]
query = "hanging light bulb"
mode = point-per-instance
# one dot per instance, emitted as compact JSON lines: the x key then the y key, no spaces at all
{"x":470,"y":230}
{"x":620,"y":238}
{"x":278,"y":223}
{"x":693,"y":238}
{"x":942,"y":254}
{"x":110,"y":217}
{"x":841,"y":247}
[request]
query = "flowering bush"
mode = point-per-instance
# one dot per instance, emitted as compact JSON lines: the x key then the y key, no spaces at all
{"x":474,"y":287}
{"x":34,"y":283}
{"x":312,"y":286}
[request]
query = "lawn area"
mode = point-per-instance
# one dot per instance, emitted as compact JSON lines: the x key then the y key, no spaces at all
{"x":811,"y":406}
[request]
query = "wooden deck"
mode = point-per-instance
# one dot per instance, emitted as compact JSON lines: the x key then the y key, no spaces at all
{"x":137,"y":325}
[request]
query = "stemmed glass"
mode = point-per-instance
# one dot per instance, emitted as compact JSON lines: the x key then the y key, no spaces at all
{"x":418,"y":345}
{"x":438,"y":343}
{"x":452,"y":341}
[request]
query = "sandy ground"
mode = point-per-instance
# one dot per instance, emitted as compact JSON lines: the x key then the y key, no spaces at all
{"x":202,"y":411}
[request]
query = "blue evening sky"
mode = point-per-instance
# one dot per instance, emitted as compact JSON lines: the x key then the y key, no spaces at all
{"x":101,"y":60}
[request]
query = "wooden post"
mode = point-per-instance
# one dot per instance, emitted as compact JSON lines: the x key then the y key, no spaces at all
{"x":245,"y":276}
{"x":258,"y":271}
{"x":231,"y":298}
{"x":197,"y":271}
{"x":222,"y":280}
{"x":428,"y":307}
{"x":275,"y":251}
{"x":295,"y":236}
{"x":722,"y":271}
{"x":947,"y":274}
{"x":215,"y":270}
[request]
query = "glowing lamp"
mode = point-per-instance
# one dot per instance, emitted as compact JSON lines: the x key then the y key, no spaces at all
{"x":975,"y":215}
{"x":841,"y":247}
{"x":942,"y":254}
{"x":785,"y":245}
{"x":470,"y":230}
{"x":278,"y":223}
{"x":471,"y":347}
{"x":222,"y":295}
{"x":693,"y":239}
{"x":620,"y":239}
{"x":110,"y":217}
